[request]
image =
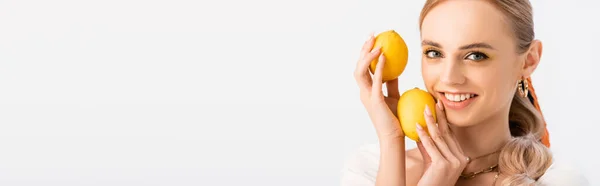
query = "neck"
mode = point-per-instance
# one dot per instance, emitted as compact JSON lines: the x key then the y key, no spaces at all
{"x":483,"y":138}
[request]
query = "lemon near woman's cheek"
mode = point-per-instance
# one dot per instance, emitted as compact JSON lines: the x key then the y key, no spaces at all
{"x":394,"y":50}
{"x":411,"y":108}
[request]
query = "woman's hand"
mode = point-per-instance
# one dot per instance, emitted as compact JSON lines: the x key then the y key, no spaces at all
{"x":393,"y":96}
{"x":444,"y":159}
{"x":392,"y":166}
{"x":371,"y":94}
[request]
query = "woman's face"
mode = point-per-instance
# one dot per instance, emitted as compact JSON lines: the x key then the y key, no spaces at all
{"x":470,"y":60}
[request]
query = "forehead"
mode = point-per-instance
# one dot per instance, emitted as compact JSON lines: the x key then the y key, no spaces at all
{"x":460,"y":22}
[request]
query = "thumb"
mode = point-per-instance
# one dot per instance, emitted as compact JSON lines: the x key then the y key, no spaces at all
{"x":392,"y":88}
{"x":424,"y":154}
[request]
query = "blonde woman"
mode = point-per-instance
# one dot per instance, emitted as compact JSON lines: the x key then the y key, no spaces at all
{"x":477,"y":58}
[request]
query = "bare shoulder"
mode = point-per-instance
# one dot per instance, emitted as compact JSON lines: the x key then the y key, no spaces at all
{"x":414,"y":166}
{"x":361,"y":166}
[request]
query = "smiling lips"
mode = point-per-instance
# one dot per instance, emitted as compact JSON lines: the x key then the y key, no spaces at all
{"x":457,"y":101}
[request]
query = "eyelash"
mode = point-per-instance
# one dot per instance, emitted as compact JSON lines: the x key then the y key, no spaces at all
{"x":484,"y":56}
{"x":431,"y":50}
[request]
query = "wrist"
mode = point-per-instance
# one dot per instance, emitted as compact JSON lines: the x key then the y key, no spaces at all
{"x":391,"y":140}
{"x":391,"y":137}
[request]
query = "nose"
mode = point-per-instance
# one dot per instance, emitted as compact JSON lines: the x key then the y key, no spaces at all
{"x":452,"y":73}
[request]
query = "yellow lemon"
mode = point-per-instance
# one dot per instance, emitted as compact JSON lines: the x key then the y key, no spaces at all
{"x":411,"y":107}
{"x":395,"y":52}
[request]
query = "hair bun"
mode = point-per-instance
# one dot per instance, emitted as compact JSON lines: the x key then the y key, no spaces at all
{"x":524,"y":160}
{"x":530,"y":136}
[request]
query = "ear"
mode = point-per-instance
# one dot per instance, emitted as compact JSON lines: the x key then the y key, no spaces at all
{"x":532,"y":58}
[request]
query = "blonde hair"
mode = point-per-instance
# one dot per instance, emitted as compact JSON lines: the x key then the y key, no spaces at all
{"x":524,"y":159}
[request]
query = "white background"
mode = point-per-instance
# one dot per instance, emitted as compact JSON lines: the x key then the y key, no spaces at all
{"x":125,"y":92}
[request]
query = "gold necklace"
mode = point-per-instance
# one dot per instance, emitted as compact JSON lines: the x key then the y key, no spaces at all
{"x":473,"y":174}
{"x":486,"y":170}
{"x":496,"y":178}
{"x":478,"y":157}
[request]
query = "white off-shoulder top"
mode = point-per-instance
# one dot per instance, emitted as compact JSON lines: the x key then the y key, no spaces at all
{"x":360,"y":169}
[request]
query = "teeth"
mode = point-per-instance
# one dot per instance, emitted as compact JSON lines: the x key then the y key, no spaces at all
{"x":458,"y":97}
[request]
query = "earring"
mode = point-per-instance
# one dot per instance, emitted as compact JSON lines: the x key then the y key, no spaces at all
{"x":523,"y":87}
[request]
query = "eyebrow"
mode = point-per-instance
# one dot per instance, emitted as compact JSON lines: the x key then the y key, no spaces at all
{"x":465,"y":47}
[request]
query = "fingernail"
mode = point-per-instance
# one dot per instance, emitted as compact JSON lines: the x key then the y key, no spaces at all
{"x":420,"y":130}
{"x":439,"y":105}
{"x":427,"y":111}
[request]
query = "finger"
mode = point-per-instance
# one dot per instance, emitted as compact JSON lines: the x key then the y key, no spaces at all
{"x":438,"y":139}
{"x":392,"y":88}
{"x":424,"y":154}
{"x":441,"y":117}
{"x":428,"y":144}
{"x":361,"y":72}
{"x":377,"y":77}
{"x":366,"y":61}
{"x":367,"y":46}
{"x":446,"y":132}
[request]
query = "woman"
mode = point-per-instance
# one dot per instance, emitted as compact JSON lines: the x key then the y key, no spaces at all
{"x":477,"y":60}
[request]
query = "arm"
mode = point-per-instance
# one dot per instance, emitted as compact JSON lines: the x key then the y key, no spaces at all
{"x":392,"y":159}
{"x":360,"y":168}
{"x":392,"y":163}
{"x":391,"y":170}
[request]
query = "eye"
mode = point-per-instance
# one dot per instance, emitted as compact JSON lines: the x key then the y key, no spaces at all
{"x":477,"y":56}
{"x":433,"y":54}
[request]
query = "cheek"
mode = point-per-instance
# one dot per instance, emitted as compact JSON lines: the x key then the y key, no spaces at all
{"x":430,"y":74}
{"x":497,"y":84}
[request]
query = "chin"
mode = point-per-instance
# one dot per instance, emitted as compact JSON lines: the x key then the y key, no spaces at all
{"x":460,"y":119}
